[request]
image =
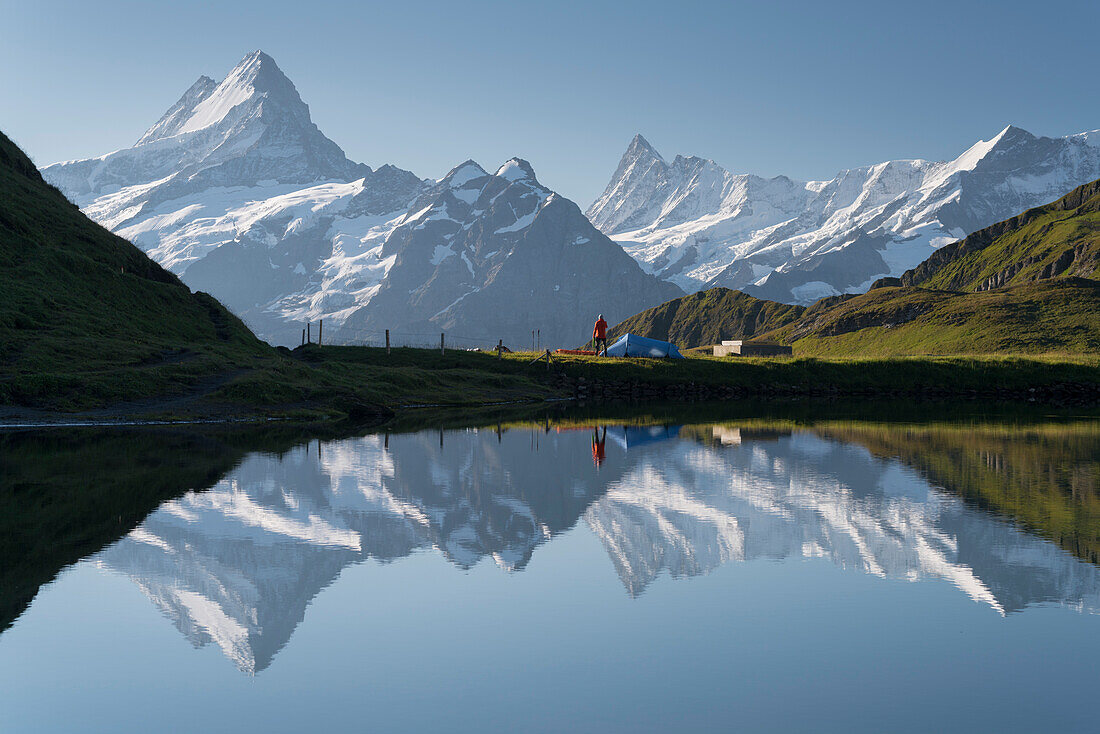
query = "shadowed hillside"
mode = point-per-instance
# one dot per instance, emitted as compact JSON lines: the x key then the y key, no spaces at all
{"x":79,"y":301}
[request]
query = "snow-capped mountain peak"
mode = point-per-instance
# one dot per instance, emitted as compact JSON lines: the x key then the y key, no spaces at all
{"x":236,"y":180}
{"x":462,"y":174}
{"x":517,"y":169}
{"x":640,"y":148}
{"x":255,"y":78}
{"x":250,"y":127}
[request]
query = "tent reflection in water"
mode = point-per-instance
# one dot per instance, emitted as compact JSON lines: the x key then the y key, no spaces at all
{"x":631,"y":345}
{"x":633,"y":436}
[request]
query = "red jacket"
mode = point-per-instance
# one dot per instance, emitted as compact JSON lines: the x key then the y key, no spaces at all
{"x":600,"y":330}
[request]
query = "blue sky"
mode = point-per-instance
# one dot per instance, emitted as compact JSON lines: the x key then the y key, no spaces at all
{"x":802,"y":89}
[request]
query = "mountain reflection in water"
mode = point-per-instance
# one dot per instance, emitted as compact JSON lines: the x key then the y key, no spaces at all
{"x":238,"y":564}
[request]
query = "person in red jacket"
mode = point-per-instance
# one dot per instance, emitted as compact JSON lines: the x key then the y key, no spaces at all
{"x":598,"y":446}
{"x":599,"y":335}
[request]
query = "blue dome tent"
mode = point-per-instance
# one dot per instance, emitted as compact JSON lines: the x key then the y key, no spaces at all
{"x":630,"y":345}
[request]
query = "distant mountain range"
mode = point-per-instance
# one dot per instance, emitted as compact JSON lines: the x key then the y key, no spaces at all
{"x":236,"y":191}
{"x":1027,"y":284}
{"x":696,"y":224}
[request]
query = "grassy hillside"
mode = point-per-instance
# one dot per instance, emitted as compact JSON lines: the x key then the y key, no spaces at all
{"x":1059,"y":316}
{"x":708,"y":317}
{"x":79,"y":301}
{"x":1061,"y":239}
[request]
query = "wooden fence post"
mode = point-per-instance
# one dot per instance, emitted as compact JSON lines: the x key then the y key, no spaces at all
{"x":387,"y":342}
{"x":309,"y":337}
{"x":500,"y":349}
{"x":538,"y":332}
{"x":303,"y":337}
{"x":441,"y":343}
{"x":320,"y":330}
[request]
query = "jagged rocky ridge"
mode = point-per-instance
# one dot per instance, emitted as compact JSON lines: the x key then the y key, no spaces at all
{"x":236,"y":191}
{"x":694,"y":223}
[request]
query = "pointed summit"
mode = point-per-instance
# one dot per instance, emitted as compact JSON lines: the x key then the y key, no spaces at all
{"x":640,"y":147}
{"x":516,"y":169}
{"x":1007,"y":139}
{"x":206,"y":103}
{"x":263,"y":74}
{"x":250,"y":127}
{"x":463,"y":173}
{"x":640,"y":173}
{"x":257,"y":75}
{"x":1011,"y":132}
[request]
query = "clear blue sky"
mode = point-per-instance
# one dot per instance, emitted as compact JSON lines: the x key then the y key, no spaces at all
{"x":803,"y":89}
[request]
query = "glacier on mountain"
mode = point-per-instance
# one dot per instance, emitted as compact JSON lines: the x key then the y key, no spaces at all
{"x":698,"y":225}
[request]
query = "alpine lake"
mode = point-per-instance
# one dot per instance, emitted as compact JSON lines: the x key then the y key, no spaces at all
{"x":750,"y":568}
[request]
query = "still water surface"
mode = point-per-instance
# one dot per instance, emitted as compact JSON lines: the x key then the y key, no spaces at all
{"x":576,"y":577}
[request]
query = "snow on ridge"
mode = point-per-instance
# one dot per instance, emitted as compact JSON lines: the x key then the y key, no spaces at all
{"x":975,"y":153}
{"x":235,"y":89}
{"x":697,"y":225}
{"x":464,"y":173}
{"x":521,"y":223}
{"x":515,"y":169}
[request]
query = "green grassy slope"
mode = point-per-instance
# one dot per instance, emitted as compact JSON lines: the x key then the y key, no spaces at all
{"x":79,"y":301}
{"x":708,"y":317}
{"x":1061,"y":239}
{"x":1056,"y":316}
{"x":1059,"y":316}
